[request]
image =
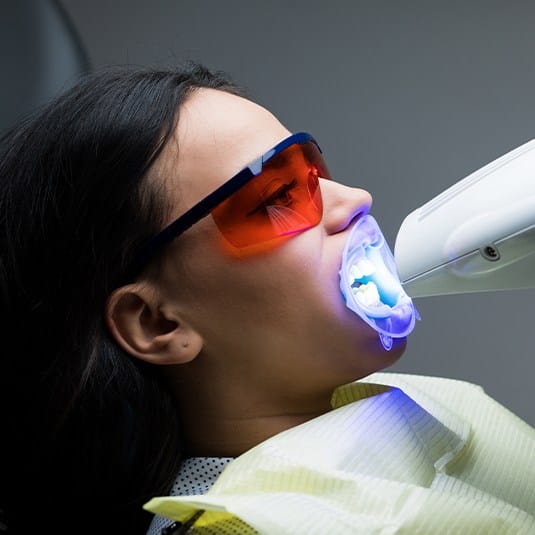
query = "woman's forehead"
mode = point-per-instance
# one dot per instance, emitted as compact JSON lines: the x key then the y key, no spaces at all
{"x":217,"y":123}
{"x":217,"y":135}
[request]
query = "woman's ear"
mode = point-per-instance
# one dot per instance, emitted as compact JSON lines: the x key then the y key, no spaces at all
{"x":147,"y":329}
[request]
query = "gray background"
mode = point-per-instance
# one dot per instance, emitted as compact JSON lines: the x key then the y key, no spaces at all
{"x":405,"y":97}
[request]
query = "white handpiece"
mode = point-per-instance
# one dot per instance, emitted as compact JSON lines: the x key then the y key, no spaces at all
{"x":478,"y":235}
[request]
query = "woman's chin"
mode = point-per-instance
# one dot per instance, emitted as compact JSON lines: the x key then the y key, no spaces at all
{"x":380,"y":358}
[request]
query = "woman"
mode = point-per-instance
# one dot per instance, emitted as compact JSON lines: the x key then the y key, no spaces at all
{"x":85,"y":183}
{"x":149,"y":319}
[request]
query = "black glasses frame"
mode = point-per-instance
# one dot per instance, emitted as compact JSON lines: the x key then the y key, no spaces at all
{"x":223,"y":192}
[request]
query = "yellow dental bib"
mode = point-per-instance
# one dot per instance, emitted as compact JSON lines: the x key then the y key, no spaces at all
{"x":397,"y":454}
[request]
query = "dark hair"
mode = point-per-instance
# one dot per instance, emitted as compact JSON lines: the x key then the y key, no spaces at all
{"x":89,"y":433}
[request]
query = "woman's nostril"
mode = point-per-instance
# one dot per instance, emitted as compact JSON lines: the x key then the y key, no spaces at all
{"x":343,"y":206}
{"x":358,"y":215}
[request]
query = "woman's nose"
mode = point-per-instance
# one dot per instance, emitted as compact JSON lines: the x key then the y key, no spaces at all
{"x":342,"y":204}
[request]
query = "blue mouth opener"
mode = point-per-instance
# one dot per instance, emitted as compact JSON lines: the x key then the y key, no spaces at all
{"x":371,"y":286}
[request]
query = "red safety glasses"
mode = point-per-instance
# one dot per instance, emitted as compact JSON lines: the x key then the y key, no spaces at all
{"x":277,"y":195}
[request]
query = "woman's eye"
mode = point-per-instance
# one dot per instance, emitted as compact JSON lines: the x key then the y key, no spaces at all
{"x":282,"y":195}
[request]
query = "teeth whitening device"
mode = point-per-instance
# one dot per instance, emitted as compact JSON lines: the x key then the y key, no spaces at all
{"x":478,"y":235}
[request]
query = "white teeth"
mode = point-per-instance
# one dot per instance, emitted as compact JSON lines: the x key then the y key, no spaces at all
{"x":367,"y":294}
{"x":362,"y":268}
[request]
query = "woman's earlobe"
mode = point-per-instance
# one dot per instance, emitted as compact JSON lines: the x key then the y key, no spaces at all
{"x":137,"y":322}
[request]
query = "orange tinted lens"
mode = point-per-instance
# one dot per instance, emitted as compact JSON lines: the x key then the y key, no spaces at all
{"x":283,"y":199}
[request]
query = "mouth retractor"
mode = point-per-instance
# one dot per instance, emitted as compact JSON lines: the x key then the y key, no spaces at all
{"x":371,"y":286}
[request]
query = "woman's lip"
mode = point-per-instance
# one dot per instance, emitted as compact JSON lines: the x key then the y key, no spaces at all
{"x":355,"y":221}
{"x":345,"y":233}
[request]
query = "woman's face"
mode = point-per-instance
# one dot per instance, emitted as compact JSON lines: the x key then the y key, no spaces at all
{"x":276,"y":317}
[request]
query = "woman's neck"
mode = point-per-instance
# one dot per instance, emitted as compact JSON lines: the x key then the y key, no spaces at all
{"x":223,"y":419}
